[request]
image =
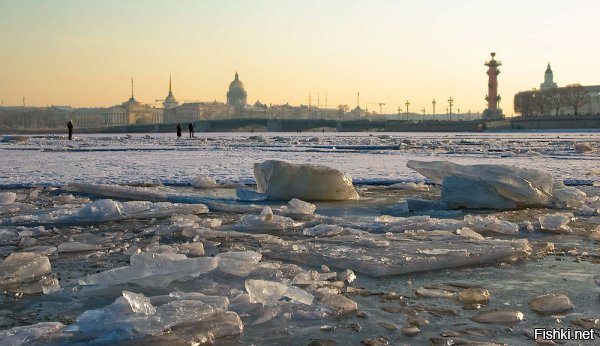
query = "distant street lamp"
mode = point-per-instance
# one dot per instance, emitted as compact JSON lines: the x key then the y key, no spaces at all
{"x":423,"y":110}
{"x":433,"y":103}
{"x":407,"y":104}
{"x":450,"y":103}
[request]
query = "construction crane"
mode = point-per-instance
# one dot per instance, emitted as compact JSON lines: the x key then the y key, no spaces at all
{"x":380,"y":104}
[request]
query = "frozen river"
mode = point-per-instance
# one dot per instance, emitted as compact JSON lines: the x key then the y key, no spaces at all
{"x":105,"y":240}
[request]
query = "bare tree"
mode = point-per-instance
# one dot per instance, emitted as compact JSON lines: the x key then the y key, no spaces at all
{"x":576,"y":96}
{"x":556,"y":98}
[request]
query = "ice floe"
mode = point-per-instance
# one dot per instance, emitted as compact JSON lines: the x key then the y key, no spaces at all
{"x":284,"y":180}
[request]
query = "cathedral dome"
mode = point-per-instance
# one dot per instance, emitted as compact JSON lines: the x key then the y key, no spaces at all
{"x":237,"y":84}
{"x":236,"y":96}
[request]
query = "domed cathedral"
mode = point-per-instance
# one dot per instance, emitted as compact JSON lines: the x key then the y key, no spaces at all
{"x":237,"y":96}
{"x":548,"y":80}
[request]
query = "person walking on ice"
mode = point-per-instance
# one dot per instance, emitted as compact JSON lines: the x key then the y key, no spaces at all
{"x":70,"y":128}
{"x":178,"y":130}
{"x":191,"y":128}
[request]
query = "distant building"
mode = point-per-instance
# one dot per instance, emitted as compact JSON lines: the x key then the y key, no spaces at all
{"x":551,"y":99}
{"x":129,"y":112}
{"x":236,"y":95}
{"x":548,"y":80}
{"x":170,"y":101}
{"x":198,"y":111}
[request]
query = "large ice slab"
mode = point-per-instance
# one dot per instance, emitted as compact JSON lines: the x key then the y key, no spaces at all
{"x":283,"y":180}
{"x":498,"y":185}
{"x":153,"y":270}
{"x":109,"y":210}
{"x":404,"y":254}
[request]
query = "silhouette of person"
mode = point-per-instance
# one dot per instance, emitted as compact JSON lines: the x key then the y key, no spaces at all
{"x":191,"y":128}
{"x":70,"y":128}
{"x":178,"y":130}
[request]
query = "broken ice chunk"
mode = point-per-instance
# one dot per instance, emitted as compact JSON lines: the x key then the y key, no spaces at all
{"x":523,"y":186}
{"x":269,"y":292}
{"x":337,"y":302}
{"x":463,"y":192}
{"x":22,"y":267}
{"x":323,"y":230}
{"x":101,"y":209}
{"x":556,"y":222}
{"x":139,"y":303}
{"x":239,"y":263}
{"x":249,"y":195}
{"x":301,"y":207}
{"x":469,"y":233}
{"x":582,"y":147}
{"x":283,"y":180}
{"x":192,"y":249}
{"x":569,"y":197}
{"x":25,"y":335}
{"x":7,"y":197}
{"x":265,"y":221}
{"x":491,"y":223}
{"x":153,"y":270}
{"x":204,"y":182}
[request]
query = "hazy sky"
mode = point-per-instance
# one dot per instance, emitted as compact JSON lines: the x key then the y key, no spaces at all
{"x":83,"y":53}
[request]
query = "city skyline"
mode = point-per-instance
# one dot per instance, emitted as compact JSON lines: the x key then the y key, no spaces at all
{"x":84,"y":54}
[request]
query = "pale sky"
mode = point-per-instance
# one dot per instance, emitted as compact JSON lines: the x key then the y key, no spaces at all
{"x":83,"y":53}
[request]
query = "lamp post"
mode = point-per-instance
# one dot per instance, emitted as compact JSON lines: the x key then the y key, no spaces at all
{"x":450,"y":103}
{"x":407,"y":104}
{"x":433,"y":103}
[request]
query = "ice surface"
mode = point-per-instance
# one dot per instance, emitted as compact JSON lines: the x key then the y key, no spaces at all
{"x":283,"y":180}
{"x":269,"y":292}
{"x":204,"y":182}
{"x":7,"y":197}
{"x":76,"y":247}
{"x":523,"y":186}
{"x":25,"y":335}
